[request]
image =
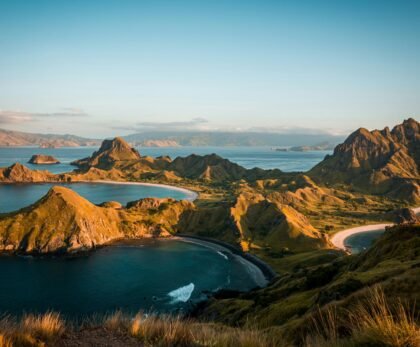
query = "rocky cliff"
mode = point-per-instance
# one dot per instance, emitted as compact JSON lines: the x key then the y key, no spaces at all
{"x":110,"y":152}
{"x":380,"y":162}
{"x":20,"y":173}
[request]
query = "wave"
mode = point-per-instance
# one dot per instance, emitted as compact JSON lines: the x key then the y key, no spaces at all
{"x":223,"y":255}
{"x":182,"y":294}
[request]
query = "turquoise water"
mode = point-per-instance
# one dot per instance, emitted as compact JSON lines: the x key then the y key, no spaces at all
{"x":361,"y":242}
{"x":249,"y":157}
{"x":159,"y":275}
{"x":16,"y":196}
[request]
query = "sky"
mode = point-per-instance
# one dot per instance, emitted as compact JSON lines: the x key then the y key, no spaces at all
{"x":112,"y":67}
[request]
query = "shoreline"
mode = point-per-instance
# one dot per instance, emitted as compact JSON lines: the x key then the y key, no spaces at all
{"x":191,"y":195}
{"x":266,"y":270}
{"x":340,"y":237}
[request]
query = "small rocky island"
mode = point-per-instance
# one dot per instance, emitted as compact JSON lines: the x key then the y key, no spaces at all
{"x":43,"y":159}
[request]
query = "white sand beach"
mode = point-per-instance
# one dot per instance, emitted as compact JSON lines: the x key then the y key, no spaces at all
{"x":191,"y":195}
{"x":339,"y":238}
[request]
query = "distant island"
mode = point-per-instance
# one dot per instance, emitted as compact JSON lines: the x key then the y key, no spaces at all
{"x":43,"y":159}
{"x":322,"y":146}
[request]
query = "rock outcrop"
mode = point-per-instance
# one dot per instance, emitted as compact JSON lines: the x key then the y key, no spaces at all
{"x":18,"y":173}
{"x":404,"y":216}
{"x":110,"y":152}
{"x":43,"y":159}
{"x":379,"y":162}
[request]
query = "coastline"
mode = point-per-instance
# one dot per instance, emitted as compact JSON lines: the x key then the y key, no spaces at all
{"x":338,"y":238}
{"x":190,"y":193}
{"x":250,"y":259}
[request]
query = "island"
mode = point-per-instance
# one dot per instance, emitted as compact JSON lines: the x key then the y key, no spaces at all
{"x":43,"y":159}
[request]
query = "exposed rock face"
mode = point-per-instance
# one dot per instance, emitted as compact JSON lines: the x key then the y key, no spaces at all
{"x":43,"y":159}
{"x":382,"y":162}
{"x":404,"y":216}
{"x":110,"y":152}
{"x":20,"y":173}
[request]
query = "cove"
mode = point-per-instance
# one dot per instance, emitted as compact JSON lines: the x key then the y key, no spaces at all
{"x":149,"y":275}
{"x":360,"y":242}
{"x":16,"y":196}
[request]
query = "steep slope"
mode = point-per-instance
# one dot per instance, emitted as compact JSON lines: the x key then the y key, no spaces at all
{"x":61,"y":221}
{"x":110,"y":152}
{"x":307,"y":288}
{"x":213,"y":168}
{"x":20,"y":173}
{"x":209,"y":167}
{"x":380,"y":162}
{"x":117,"y":155}
{"x":266,"y":223}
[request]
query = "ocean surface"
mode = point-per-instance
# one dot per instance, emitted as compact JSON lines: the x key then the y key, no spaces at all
{"x":249,"y":157}
{"x":361,"y":242}
{"x":16,"y":196}
{"x":158,"y":275}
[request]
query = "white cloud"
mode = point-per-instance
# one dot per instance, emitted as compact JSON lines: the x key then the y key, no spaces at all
{"x":17,"y":117}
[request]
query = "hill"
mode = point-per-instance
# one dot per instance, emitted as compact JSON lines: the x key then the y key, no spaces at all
{"x":110,"y":152}
{"x":17,"y":138}
{"x":116,"y":155}
{"x":380,"y":162}
{"x":315,"y":283}
{"x":63,"y":221}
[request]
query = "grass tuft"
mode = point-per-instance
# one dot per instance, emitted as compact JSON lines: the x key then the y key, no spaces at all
{"x":46,"y":327}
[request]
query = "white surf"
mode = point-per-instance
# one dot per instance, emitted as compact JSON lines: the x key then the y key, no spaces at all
{"x":182,"y":294}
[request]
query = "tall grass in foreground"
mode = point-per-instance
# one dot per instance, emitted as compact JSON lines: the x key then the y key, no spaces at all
{"x":153,"y":330}
{"x":31,"y":330}
{"x":373,"y":322}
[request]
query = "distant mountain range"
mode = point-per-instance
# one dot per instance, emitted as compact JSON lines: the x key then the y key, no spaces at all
{"x":225,"y":138}
{"x":173,"y":139}
{"x":17,"y":138}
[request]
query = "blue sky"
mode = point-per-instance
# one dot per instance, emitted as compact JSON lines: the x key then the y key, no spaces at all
{"x":102,"y":68}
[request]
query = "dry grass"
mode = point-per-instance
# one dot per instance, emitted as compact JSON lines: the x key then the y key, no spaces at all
{"x":373,"y":322}
{"x":165,"y":331}
{"x":5,"y":341}
{"x":45,"y":327}
{"x":31,"y":330}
